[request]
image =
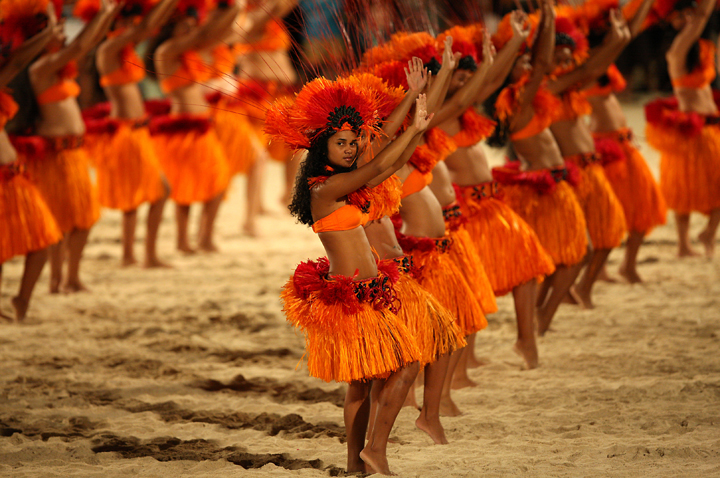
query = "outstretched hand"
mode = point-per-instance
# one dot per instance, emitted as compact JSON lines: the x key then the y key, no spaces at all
{"x":618,"y":25}
{"x":519,"y":24}
{"x":422,"y":119}
{"x":449,"y":59}
{"x":417,"y":75}
{"x":489,"y":51}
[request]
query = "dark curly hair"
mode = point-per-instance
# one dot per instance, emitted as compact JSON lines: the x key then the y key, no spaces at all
{"x":501,"y":134}
{"x":467,"y":63}
{"x":315,"y":164}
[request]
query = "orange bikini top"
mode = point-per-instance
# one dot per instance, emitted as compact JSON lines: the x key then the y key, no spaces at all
{"x":572,"y":106}
{"x":193,"y":69}
{"x":130,"y":71}
{"x":345,"y":218}
{"x":415,"y":181}
{"x":704,"y":74}
{"x":473,"y":128}
{"x":544,"y":104}
{"x":8,"y":108}
{"x":65,"y":88}
{"x":616,"y":84}
{"x":274,"y":38}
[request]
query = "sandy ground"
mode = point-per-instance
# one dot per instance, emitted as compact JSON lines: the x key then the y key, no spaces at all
{"x":192,"y":372}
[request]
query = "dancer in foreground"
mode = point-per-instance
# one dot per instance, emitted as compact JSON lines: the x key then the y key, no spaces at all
{"x":343,"y":303}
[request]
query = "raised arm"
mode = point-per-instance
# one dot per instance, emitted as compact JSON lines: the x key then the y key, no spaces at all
{"x":637,"y":21}
{"x":404,"y":158}
{"x":615,"y":40}
{"x":211,"y":32}
{"x":438,"y":90}
{"x":388,"y":160}
{"x":694,"y":26}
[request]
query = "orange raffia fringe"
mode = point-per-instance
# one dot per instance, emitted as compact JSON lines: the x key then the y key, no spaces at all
{"x":345,"y":347}
{"x":128,"y":169}
{"x":385,"y":198}
{"x":237,"y":135}
{"x":441,"y":143}
{"x":603,"y":211}
{"x":689,"y":167}
{"x":473,"y":128}
{"x":616,"y":85}
{"x":430,"y":323}
{"x":27,"y":220}
{"x":466,"y":257}
{"x":8,"y":108}
{"x":508,"y":247}
{"x":194,"y":163}
{"x":557,"y":218}
{"x":634,"y":185}
{"x":63,"y":179}
{"x":705,"y":73}
{"x":444,"y":280}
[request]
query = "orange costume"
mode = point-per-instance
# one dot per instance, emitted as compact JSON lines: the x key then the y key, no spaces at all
{"x":190,"y":153}
{"x":626,"y":169}
{"x":58,"y":165}
{"x":128,"y":169}
{"x":27,"y":221}
{"x":689,"y":144}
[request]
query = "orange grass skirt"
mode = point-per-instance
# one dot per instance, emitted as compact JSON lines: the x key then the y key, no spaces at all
{"x":508,"y":247}
{"x":194,"y":163}
{"x":431,"y":324}
{"x":603,"y":211}
{"x":347,"y":339}
{"x":556,"y":218}
{"x":634,"y":185}
{"x":63,"y":179}
{"x":465,"y":255}
{"x":689,"y":167}
{"x":128,"y":169}
{"x":237,"y":136}
{"x":25,"y":219}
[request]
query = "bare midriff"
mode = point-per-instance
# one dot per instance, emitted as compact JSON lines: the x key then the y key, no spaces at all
{"x":540,"y":151}
{"x":349,"y":251}
{"x":126,"y":101}
{"x":468,"y":166}
{"x":573,"y":136}
{"x":268,"y":66}
{"x":441,"y":185}
{"x":7,"y":152}
{"x":381,"y":235}
{"x":62,"y":118}
{"x":607,"y":114}
{"x":696,"y":100}
{"x":422,"y":215}
{"x":188,"y":99}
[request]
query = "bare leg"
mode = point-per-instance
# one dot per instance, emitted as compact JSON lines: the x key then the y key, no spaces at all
{"x":254,"y":195}
{"x":356,"y":414}
{"x":182,"y":215}
{"x":448,"y":408}
{"x":472,"y":360}
{"x":128,"y":237}
{"x":375,"y":389}
{"x":525,"y":346}
{"x":75,"y":246}
{"x":391,"y":399}
{"x":207,"y":224}
{"x":460,"y":378}
{"x":582,"y":292}
{"x":562,"y":279}
{"x":34,"y":263}
{"x":411,"y":400}
{"x":628,"y":268}
{"x":429,"y":419}
{"x":543,"y":290}
{"x":57,"y":256}
{"x":153,"y":226}
{"x":707,"y":237}
{"x":683,"y":229}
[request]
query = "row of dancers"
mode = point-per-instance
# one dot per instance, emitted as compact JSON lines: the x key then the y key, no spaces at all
{"x":421,"y":235}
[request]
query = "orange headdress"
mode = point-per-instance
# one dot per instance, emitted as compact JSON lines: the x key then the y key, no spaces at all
{"x":464,"y":41}
{"x":87,"y":9}
{"x":20,"y":20}
{"x":388,"y":96}
{"x":393,"y":72}
{"x":324,"y":107}
{"x":504,"y":32}
{"x":403,"y":46}
{"x":567,"y":30}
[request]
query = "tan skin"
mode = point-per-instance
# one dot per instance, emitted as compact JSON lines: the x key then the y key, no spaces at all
{"x":126,"y":102}
{"x":63,"y":118}
{"x":189,"y":36}
{"x":350,"y":254}
{"x":34,"y":260}
{"x":699,"y":100}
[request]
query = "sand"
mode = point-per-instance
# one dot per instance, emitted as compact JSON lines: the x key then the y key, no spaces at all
{"x":193,"y":371}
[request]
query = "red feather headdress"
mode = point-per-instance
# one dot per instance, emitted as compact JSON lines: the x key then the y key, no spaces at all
{"x":389,"y":97}
{"x":20,"y":20}
{"x":403,"y":46}
{"x":504,"y":32}
{"x":87,"y":9}
{"x":393,"y":72}
{"x":565,"y":24}
{"x":464,"y":41}
{"x":324,"y":106}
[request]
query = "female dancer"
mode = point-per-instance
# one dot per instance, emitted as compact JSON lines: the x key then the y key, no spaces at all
{"x":685,"y":131}
{"x":60,"y":169}
{"x":343,"y":302}
{"x":625,"y":167}
{"x":540,"y":194}
{"x":189,"y":150}
{"x":26,"y":221}
{"x":128,"y":169}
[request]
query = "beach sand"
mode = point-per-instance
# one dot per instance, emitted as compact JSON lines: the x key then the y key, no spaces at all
{"x":193,"y":371}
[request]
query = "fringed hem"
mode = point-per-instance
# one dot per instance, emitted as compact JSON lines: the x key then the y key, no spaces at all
{"x":238,"y":138}
{"x":63,"y":179}
{"x":603,"y":212}
{"x":464,"y":253}
{"x":689,"y":168}
{"x":556,"y":218}
{"x":27,"y":221}
{"x":508,"y":247}
{"x":635,"y":186}
{"x":194,"y":164}
{"x":128,"y":169}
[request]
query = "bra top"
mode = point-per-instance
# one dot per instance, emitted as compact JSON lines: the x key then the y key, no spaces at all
{"x":65,"y":88}
{"x":8,"y":108}
{"x":343,"y":219}
{"x":704,"y":73}
{"x":537,"y":125}
{"x":193,"y":69}
{"x":130,"y":71}
{"x":415,"y":182}
{"x":544,"y":105}
{"x":572,"y":106}
{"x":616,"y":84}
{"x":473,"y":128}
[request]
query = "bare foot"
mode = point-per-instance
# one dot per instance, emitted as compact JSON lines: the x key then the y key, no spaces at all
{"x":54,"y":286}
{"x":582,"y":297}
{"x":75,"y":286}
{"x":128,"y":261}
{"x":208,"y":247}
{"x":6,"y":317}
{"x":474,"y":362}
{"x":186,"y":249}
{"x":707,"y":241}
{"x":156,"y":264}
{"x":569,"y":299}
{"x":528,"y":352}
{"x":376,"y":461}
{"x":250,"y":230}
{"x":433,"y":428}
{"x":21,"y":307}
{"x":630,"y":275}
{"x":687,"y":251}
{"x":448,"y":408}
{"x":459,"y":382}
{"x":606,"y":277}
